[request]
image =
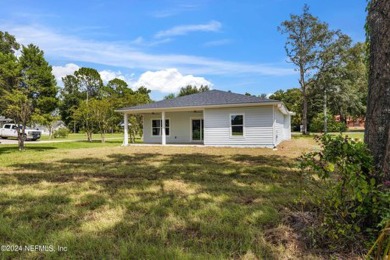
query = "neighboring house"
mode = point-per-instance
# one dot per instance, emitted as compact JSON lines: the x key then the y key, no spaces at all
{"x":214,"y":118}
{"x":352,"y":122}
{"x":54,"y":127}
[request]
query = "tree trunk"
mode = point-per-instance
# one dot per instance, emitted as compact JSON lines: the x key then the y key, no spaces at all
{"x":304,"y":111}
{"x":21,"y":136}
{"x":103,"y":135}
{"x":377,"y":128}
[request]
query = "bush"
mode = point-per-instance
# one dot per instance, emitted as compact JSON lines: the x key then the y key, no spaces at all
{"x":347,"y":193}
{"x":317,"y":124}
{"x":61,"y":133}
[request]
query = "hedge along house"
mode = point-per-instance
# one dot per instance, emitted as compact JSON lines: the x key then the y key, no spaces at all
{"x":213,"y":118}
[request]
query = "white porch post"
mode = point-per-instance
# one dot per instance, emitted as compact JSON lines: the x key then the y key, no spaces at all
{"x":126,"y":135}
{"x":163,"y":136}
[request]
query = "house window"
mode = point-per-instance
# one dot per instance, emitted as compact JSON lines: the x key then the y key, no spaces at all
{"x":237,"y":125}
{"x":156,"y":127}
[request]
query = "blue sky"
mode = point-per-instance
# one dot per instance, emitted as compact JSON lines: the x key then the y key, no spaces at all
{"x":230,"y":45}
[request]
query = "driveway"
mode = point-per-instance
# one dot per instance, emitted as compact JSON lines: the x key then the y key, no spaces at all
{"x":12,"y":141}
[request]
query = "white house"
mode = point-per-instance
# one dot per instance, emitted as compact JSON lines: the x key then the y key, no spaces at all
{"x":213,"y":118}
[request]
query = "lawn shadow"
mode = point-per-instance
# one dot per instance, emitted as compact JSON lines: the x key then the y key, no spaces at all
{"x":14,"y":148}
{"x":156,"y":205}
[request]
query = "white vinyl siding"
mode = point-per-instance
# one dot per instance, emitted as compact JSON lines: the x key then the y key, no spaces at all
{"x":279,"y":125}
{"x":287,"y":127}
{"x":179,"y":127}
{"x":282,"y":127}
{"x":263,"y":126}
{"x":258,"y":126}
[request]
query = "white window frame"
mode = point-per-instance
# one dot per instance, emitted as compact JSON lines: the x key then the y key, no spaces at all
{"x":151,"y":127}
{"x":243,"y":125}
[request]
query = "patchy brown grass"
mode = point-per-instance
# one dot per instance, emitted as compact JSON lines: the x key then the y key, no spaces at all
{"x":106,"y":201}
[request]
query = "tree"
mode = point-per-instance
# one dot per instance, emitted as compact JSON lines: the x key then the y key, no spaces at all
{"x":90,"y":82}
{"x":28,"y":87}
{"x":377,"y":129}
{"x":71,"y":97}
{"x":37,"y":76}
{"x":170,"y":96}
{"x":102,"y":115}
{"x":188,"y":90}
{"x":118,"y":88}
{"x":83,"y":115}
{"x":306,"y":41}
{"x":8,"y":44}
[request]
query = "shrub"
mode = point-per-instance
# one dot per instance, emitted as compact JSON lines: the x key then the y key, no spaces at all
{"x":61,"y":133}
{"x":317,"y":124}
{"x":347,"y":193}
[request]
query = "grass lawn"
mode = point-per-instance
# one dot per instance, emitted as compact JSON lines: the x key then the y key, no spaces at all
{"x":106,"y":201}
{"x":352,"y":134}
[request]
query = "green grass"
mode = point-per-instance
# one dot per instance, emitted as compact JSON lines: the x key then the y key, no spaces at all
{"x":352,"y":134}
{"x":106,"y":201}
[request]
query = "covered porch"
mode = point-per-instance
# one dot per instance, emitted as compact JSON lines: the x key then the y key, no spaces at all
{"x":180,"y":127}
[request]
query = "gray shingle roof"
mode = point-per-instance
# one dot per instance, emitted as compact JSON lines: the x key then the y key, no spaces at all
{"x":208,"y":98}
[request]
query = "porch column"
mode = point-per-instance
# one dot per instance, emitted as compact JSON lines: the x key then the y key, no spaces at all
{"x":126,"y":125}
{"x":163,"y":136}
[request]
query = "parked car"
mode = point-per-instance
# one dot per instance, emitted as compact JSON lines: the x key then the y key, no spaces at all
{"x":11,"y":131}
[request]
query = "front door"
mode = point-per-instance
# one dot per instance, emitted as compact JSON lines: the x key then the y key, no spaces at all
{"x":197,"y":130}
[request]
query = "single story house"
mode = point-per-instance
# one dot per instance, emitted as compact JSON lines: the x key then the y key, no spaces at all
{"x":213,"y":118}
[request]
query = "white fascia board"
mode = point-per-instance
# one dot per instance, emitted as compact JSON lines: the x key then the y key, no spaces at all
{"x":177,"y":109}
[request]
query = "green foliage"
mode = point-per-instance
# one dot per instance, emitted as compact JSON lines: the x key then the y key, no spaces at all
{"x":71,"y":96}
{"x":381,"y":247}
{"x":83,"y":115}
{"x":8,"y":44}
{"x":307,"y":41}
{"x":347,"y":194}
{"x":170,"y":96}
{"x":86,"y":85}
{"x":317,"y":124}
{"x":61,"y":133}
{"x":27,"y":86}
{"x":102,"y":113}
{"x":89,"y":80}
{"x":344,"y":80}
{"x":188,"y":90}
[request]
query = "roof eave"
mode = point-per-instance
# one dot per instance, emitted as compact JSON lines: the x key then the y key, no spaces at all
{"x":189,"y":108}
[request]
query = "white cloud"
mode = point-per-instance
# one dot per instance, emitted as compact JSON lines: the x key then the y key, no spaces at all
{"x":212,"y":26}
{"x":61,"y":71}
{"x":108,"y":75}
{"x":73,"y":48}
{"x":169,"y":80}
{"x":68,"y":69}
